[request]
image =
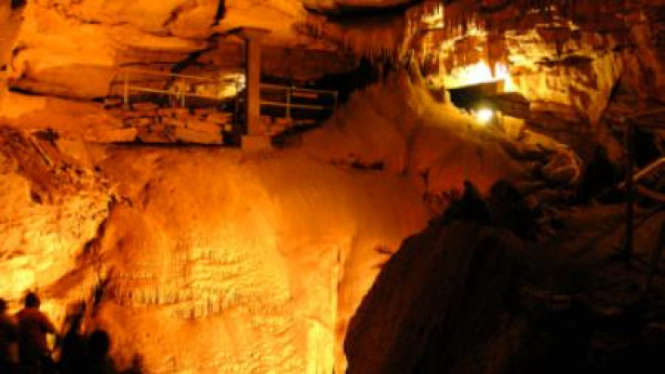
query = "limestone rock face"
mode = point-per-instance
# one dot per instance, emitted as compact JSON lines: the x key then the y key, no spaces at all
{"x":567,"y":58}
{"x":397,"y":126}
{"x":278,"y":17}
{"x":73,"y":49}
{"x":351,"y":5}
{"x":230,"y":255}
{"x":204,"y":260}
{"x":50,"y":209}
{"x":165,"y":17}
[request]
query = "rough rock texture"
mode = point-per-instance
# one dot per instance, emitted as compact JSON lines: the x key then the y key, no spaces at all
{"x":333,"y":6}
{"x":259,"y":262}
{"x":74,"y":48}
{"x":568,"y":58}
{"x":464,"y":298}
{"x":256,"y":264}
{"x":455,"y":293}
{"x":397,"y":126}
{"x":50,"y":208}
{"x":77,"y":120}
{"x":203,"y":246}
{"x":231,"y":256}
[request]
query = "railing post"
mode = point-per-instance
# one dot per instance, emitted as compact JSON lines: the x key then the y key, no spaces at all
{"x":125,"y":90}
{"x":236,"y":115}
{"x":288,"y":103}
{"x":630,"y":191}
{"x":335,"y":93}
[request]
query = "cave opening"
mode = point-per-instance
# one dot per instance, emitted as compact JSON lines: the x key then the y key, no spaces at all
{"x":478,"y":100}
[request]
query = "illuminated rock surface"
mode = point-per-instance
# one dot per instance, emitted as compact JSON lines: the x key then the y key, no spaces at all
{"x":208,"y":260}
{"x":570,"y":59}
{"x":51,"y":209}
{"x":226,"y":252}
{"x":399,"y":127}
{"x":248,"y":260}
{"x":258,"y":262}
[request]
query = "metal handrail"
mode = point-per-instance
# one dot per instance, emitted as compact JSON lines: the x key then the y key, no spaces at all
{"x":292,"y":105}
{"x":181,"y":95}
{"x":632,"y":122}
{"x":173,"y":93}
{"x":292,"y":92}
{"x":284,"y":88}
{"x":644,"y":114}
{"x":649,"y":169}
{"x":169,"y":75}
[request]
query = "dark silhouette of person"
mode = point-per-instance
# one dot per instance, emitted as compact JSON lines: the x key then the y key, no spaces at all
{"x":74,"y":356}
{"x":136,"y":367}
{"x":33,"y":325}
{"x":599,"y":175}
{"x":510,"y":211}
{"x":8,"y":341}
{"x":99,"y":344}
{"x":470,"y":207}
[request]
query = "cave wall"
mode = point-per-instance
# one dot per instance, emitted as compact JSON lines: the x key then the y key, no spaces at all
{"x":52,"y":209}
{"x":198,"y":259}
{"x":253,"y":262}
{"x":231,"y":254}
{"x":73,"y":49}
{"x":568,"y":58}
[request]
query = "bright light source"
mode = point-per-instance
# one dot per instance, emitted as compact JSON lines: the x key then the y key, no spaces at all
{"x":484,"y":115}
{"x":477,"y":73}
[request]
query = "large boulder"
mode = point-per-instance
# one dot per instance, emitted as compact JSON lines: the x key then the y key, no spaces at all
{"x":442,"y":304}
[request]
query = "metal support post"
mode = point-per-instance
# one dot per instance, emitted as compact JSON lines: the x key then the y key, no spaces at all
{"x":627,"y":250}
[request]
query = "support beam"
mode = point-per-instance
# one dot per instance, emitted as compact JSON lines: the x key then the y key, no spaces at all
{"x":255,"y":129}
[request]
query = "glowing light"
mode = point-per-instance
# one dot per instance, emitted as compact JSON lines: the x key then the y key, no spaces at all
{"x":434,"y":18}
{"x":477,"y":73}
{"x":484,"y":115}
{"x":228,"y":85}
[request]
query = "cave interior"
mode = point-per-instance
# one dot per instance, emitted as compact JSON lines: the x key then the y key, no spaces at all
{"x":336,"y":186}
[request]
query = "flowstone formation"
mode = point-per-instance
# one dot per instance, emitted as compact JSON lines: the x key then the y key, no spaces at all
{"x":205,"y":250}
{"x":231,"y":256}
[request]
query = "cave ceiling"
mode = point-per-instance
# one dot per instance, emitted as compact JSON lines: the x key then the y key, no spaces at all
{"x":576,"y":52}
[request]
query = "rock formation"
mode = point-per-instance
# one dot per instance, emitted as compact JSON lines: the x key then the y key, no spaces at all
{"x":202,"y":258}
{"x":468,"y":298}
